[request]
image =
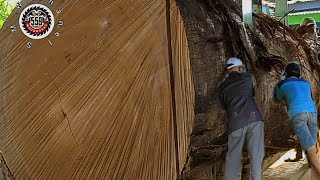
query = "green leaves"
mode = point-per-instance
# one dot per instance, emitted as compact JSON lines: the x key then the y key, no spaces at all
{"x":5,"y":10}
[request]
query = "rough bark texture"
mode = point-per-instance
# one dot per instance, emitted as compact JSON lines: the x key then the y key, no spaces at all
{"x":105,"y":101}
{"x":214,"y":33}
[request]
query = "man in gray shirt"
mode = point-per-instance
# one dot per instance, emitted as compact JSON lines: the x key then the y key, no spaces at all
{"x":245,"y":122}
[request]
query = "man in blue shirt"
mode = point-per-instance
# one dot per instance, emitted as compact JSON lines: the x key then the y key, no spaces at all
{"x":296,"y":92}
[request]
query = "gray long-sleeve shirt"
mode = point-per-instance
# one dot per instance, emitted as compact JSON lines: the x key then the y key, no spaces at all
{"x":236,"y":95}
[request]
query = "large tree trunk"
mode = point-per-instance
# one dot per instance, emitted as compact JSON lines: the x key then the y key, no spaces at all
{"x":113,"y":97}
{"x":214,"y":33}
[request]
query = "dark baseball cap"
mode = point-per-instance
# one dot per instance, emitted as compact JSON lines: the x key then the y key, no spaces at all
{"x":293,"y":69}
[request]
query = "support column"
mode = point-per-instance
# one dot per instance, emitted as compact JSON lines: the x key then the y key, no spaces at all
{"x":282,"y":10}
{"x":247,"y":11}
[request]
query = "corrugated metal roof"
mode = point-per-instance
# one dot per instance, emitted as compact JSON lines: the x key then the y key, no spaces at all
{"x":304,"y":6}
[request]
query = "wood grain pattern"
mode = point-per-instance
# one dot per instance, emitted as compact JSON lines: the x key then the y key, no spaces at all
{"x":184,"y":83}
{"x":97,"y":103}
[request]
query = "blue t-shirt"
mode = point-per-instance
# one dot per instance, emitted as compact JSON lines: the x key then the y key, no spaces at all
{"x":297,"y":94}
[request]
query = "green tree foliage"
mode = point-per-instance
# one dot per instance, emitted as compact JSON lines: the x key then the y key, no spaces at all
{"x":5,"y":10}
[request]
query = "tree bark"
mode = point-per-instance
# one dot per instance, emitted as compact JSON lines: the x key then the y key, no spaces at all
{"x":215,"y":32}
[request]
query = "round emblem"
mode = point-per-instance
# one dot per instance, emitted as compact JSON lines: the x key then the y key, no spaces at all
{"x":36,"y":21}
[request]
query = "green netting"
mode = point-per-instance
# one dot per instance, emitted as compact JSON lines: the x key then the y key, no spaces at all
{"x":295,"y":20}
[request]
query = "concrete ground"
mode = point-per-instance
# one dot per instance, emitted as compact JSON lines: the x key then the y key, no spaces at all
{"x":289,"y":171}
{"x":282,"y":170}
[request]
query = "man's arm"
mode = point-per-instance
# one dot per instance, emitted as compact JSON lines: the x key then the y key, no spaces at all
{"x":221,"y":98}
{"x":278,"y":94}
{"x":253,"y":86}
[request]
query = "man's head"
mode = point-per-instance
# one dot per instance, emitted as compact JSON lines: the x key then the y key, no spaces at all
{"x":234,"y":65}
{"x":293,"y":70}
